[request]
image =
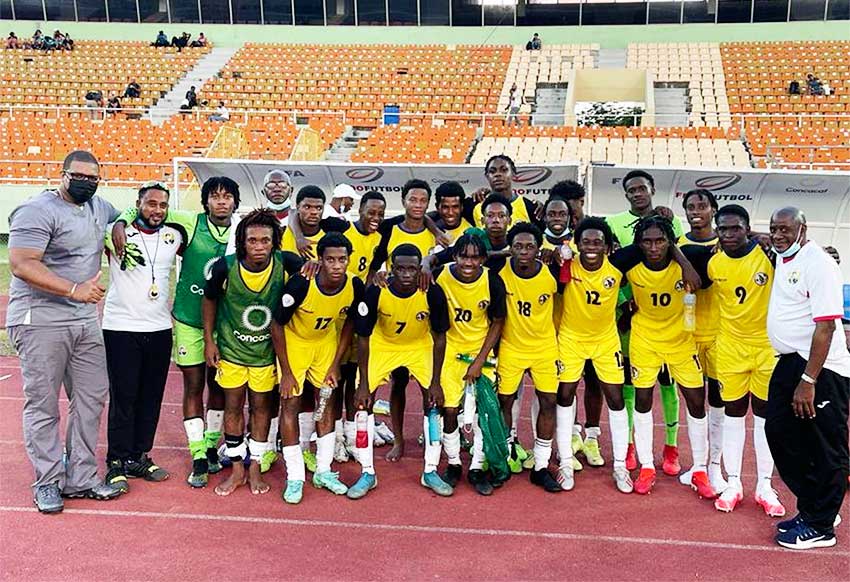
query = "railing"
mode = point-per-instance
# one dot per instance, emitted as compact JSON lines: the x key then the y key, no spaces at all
{"x":163,"y":172}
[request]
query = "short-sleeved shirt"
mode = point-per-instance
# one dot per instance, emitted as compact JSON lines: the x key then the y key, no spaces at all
{"x":310,"y":314}
{"x":807,"y":289}
{"x":71,"y":237}
{"x":393,"y":235}
{"x":472,"y":306}
{"x":401,"y":322}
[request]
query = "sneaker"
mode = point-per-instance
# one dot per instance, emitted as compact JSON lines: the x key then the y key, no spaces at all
{"x":645,"y":481}
{"x":294,"y":492}
{"x":48,"y":499}
{"x":623,"y":480}
{"x":528,"y":463}
{"x":199,"y":475}
{"x":329,"y":480}
{"x":452,"y":475}
{"x":432,"y":481}
{"x":577,"y":466}
{"x":715,"y":477}
{"x":214,"y":462}
{"x":384,"y":431}
{"x":729,"y":499}
{"x":543,"y":478}
{"x":767,"y":498}
{"x":267,"y":460}
{"x":590,"y":448}
{"x":116,"y":476}
{"x":100,"y":492}
{"x":631,"y":458}
{"x":566,"y":478}
{"x":670,"y":459}
{"x":790,"y":524}
{"x":701,"y":484}
{"x":805,"y":537}
{"x":478,"y":479}
{"x":309,"y":460}
{"x":377,"y":441}
{"x":514,"y":464}
{"x":577,"y":444}
{"x":145,"y":469}
{"x":365,"y":483}
{"x":341,"y":452}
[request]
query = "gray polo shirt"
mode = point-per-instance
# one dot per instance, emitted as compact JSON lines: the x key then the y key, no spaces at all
{"x":71,"y":238}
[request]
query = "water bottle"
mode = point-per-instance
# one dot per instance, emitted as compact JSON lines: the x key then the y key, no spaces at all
{"x":468,"y":407}
{"x":325,"y":393}
{"x":565,"y":274}
{"x":689,"y":320}
{"x":434,"y":426}
{"x":361,"y":423}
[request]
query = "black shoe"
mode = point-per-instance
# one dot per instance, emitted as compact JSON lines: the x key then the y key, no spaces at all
{"x":213,"y":461}
{"x":495,"y":481}
{"x":199,"y":475}
{"x":543,"y":478}
{"x":145,"y":469}
{"x":478,"y":480}
{"x":452,"y":475}
{"x":100,"y":492}
{"x":48,"y":499}
{"x":116,"y":476}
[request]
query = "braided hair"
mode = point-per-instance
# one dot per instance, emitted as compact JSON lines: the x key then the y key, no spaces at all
{"x":655,"y":221}
{"x":258,"y":217}
{"x":469,"y":239}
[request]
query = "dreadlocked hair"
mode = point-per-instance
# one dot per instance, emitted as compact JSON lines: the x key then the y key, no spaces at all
{"x":654,"y":221}
{"x":259,"y":217}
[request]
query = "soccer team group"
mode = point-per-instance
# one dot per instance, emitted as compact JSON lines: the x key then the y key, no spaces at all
{"x":307,"y":317}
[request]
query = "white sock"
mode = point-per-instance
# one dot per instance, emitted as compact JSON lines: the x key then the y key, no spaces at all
{"x":764,"y":458}
{"x":295,"y":470}
{"x":542,"y":453}
{"x":592,"y":432}
{"x":432,"y":451}
{"x":477,"y":446}
{"x":564,"y":416}
{"x":194,"y":428}
{"x":698,"y":435}
{"x":734,"y":436}
{"x":274,"y":428}
{"x":257,"y":449}
{"x":576,"y":426}
{"x":366,"y":456}
{"x":619,"y":421}
{"x":325,"y":452}
{"x":349,"y":430}
{"x":643,"y":438}
{"x":716,"y":416}
{"x":306,"y":428}
{"x":215,"y":420}
{"x":451,"y":444}
{"x":535,"y":413}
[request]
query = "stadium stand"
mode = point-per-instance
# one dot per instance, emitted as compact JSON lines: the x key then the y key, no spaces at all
{"x":449,"y":144}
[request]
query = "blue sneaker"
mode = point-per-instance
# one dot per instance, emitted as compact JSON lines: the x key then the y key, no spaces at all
{"x":805,"y":537}
{"x":365,"y":483}
{"x":433,"y":482}
{"x":294,"y":492}
{"x":789,"y":524}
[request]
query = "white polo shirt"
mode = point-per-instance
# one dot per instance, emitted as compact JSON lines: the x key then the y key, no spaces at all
{"x":807,"y":288}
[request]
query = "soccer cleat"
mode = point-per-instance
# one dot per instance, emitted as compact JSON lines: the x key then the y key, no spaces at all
{"x":789,"y":524}
{"x":590,"y":448}
{"x":767,"y":498}
{"x":645,"y":481}
{"x":48,"y":499}
{"x":528,"y":463}
{"x":631,"y":457}
{"x":117,"y":476}
{"x":685,"y":478}
{"x":452,"y":475}
{"x":623,"y":480}
{"x":729,"y":500}
{"x":341,"y":454}
{"x":670,"y":459}
{"x":543,"y":478}
{"x":293,"y":492}
{"x":267,"y":460}
{"x":378,"y":441}
{"x":145,"y":469}
{"x":478,"y":480}
{"x":329,"y":480}
{"x":365,"y":483}
{"x":715,"y":477}
{"x":514,"y":462}
{"x":199,"y":475}
{"x":214,"y":464}
{"x":701,"y":484}
{"x":804,"y":537}
{"x":432,"y":481}
{"x":577,"y":444}
{"x":309,"y":460}
{"x":520,"y":451}
{"x":382,"y":430}
{"x":566,"y":478}
{"x":577,"y":466}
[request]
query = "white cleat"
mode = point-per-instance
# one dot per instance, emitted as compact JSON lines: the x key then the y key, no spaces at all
{"x":566,"y":478}
{"x":729,"y":500}
{"x":623,"y":480}
{"x":767,"y":498}
{"x":715,"y":477}
{"x":385,"y":432}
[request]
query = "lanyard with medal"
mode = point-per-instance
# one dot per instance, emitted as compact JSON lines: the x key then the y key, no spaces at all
{"x":153,"y":291}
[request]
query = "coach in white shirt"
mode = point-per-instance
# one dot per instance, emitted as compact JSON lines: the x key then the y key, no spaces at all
{"x":807,"y":399}
{"x":341,"y":203}
{"x":137,"y":334}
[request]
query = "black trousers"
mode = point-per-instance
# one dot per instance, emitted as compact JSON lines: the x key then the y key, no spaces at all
{"x":811,"y":455}
{"x":137,"y":363}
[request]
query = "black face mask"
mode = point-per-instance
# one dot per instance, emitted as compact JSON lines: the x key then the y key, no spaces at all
{"x":81,"y":191}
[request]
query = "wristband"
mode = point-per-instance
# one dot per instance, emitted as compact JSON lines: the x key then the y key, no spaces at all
{"x":806,"y":378}
{"x":73,"y":288}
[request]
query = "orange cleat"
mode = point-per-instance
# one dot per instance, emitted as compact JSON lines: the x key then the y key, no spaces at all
{"x":645,"y":481}
{"x":729,"y":500}
{"x":671,"y":464}
{"x":631,"y":457}
{"x":701,"y":484}
{"x":769,"y":501}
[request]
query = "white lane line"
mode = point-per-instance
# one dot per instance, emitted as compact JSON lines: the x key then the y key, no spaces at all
{"x":424,"y":529}
{"x":5,"y":377}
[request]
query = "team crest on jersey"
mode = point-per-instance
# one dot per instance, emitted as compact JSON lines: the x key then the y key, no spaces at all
{"x":559,"y":367}
{"x":608,"y":282}
{"x":182,"y":351}
{"x":256,"y":317}
{"x":543,"y":298}
{"x":634,"y":374}
{"x":760,"y":279}
{"x":793,"y":277}
{"x":168,"y":238}
{"x":422,"y":316}
{"x":680,"y":285}
{"x":483,"y":304}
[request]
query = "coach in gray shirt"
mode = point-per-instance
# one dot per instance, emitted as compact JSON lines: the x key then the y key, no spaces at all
{"x":55,"y":246}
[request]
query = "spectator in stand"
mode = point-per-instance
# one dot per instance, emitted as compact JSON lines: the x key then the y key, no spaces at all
{"x":794,"y":88}
{"x":827,"y":90}
{"x":161,"y":39}
{"x":536,"y":42}
{"x":12,"y":41}
{"x":113,"y":105}
{"x":181,"y":42}
{"x":48,"y":43}
{"x":37,"y":42}
{"x":221,"y":113}
{"x":191,"y":97}
{"x":133,"y":90}
{"x":200,"y":41}
{"x":513,"y":109}
{"x":68,"y":43}
{"x":94,"y":100}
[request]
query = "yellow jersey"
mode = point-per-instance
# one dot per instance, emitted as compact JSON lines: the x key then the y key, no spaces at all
{"x":472,"y":306}
{"x":456,"y":232}
{"x":309,"y":314}
{"x":522,"y":210}
{"x":742,"y":288}
{"x":660,"y":306}
{"x":401,"y":323}
{"x":706,"y":310}
{"x":393,"y":235}
{"x":590,"y":302}
{"x":287,"y":243}
{"x":529,"y":325}
{"x":362,"y":250}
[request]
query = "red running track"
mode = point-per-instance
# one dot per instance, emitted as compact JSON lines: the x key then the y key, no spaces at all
{"x":400,"y":531}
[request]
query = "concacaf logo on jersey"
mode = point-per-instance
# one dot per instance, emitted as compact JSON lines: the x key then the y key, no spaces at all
{"x":254,"y":323}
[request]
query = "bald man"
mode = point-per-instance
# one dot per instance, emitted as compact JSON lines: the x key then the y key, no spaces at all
{"x":807,"y":407}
